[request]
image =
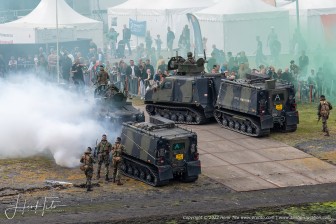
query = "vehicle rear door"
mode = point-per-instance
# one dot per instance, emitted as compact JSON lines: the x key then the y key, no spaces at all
{"x":179,"y":150}
{"x":277,"y":102}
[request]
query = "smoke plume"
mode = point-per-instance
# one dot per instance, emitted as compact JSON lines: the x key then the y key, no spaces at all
{"x":38,"y":117}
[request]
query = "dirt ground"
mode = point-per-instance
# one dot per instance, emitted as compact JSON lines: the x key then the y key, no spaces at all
{"x":205,"y":201}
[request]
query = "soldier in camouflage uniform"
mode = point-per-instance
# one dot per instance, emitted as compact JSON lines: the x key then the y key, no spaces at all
{"x":117,"y":151}
{"x":102,"y":81}
{"x":323,"y":111}
{"x":191,"y":59}
{"x":87,"y":167}
{"x":103,"y":150}
{"x":102,"y":77}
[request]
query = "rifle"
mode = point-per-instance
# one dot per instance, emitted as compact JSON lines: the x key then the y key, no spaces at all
{"x":95,"y":152}
{"x":318,"y":119}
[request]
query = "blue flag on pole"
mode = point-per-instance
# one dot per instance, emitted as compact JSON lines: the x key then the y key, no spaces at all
{"x":197,"y":33}
{"x":138,"y":28}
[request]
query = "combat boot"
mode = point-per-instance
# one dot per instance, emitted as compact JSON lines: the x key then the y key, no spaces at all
{"x":89,"y":188}
{"x":119,"y":182}
{"x":327,"y":133}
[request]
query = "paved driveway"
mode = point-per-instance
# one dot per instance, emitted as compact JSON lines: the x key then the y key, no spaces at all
{"x":245,"y":163}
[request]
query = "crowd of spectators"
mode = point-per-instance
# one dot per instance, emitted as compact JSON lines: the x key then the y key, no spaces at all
{"x":145,"y":67}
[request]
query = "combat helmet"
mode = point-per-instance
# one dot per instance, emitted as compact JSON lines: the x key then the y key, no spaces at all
{"x":118,"y":140}
{"x":88,"y":150}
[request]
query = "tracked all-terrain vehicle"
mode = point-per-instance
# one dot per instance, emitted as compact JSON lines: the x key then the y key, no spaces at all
{"x":112,"y":105}
{"x":255,"y":106}
{"x":159,"y":151}
{"x":187,"y":97}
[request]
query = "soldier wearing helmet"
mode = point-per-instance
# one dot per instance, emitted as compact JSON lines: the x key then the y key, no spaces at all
{"x":87,"y":161}
{"x":191,"y":59}
{"x":117,"y":151}
{"x":103,"y":150}
{"x":323,"y":112}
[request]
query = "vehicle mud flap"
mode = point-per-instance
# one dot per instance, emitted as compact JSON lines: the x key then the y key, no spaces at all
{"x":266,"y":122}
{"x":149,"y":95}
{"x":292,"y":118}
{"x":165,"y":173}
{"x":194,"y":168}
{"x":208,"y":111}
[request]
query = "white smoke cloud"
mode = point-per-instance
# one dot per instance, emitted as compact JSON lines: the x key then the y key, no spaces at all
{"x":38,"y":117}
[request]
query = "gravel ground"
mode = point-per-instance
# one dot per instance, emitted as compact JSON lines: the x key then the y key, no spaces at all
{"x":324,"y":149}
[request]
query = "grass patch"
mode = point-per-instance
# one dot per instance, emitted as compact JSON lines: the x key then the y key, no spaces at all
{"x":308,"y":128}
{"x":137,"y":101}
{"x":31,"y":162}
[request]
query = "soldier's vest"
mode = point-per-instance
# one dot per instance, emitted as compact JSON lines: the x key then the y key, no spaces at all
{"x":104,"y":147}
{"x":325,"y":109}
{"x":87,"y":162}
{"x":102,"y":78}
{"x":117,"y":152}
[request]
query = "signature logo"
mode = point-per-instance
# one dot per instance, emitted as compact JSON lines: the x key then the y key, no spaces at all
{"x":48,"y":204}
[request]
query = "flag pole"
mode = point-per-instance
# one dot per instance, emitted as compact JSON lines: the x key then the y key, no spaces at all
{"x":297,"y":15}
{"x":57,"y":44}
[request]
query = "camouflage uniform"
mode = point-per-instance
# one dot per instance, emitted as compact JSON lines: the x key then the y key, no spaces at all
{"x":190,"y":59}
{"x":321,"y":113}
{"x":103,"y":151}
{"x":102,"y":77}
{"x":117,"y":151}
{"x":88,"y":161}
{"x":102,"y":81}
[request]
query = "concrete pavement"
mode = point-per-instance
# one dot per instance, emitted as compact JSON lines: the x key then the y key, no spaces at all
{"x":245,"y":163}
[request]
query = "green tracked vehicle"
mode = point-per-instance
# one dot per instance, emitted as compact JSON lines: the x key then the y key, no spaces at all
{"x":112,"y":106}
{"x":159,"y":151}
{"x":255,"y":106}
{"x":187,"y":97}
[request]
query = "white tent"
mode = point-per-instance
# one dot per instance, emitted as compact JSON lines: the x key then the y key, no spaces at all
{"x":159,"y":14}
{"x":310,"y":12}
{"x":280,"y":3}
{"x":234,"y":24}
{"x":39,"y":26}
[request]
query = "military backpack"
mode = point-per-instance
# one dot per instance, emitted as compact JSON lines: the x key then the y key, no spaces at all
{"x":325,"y":109}
{"x":86,"y":160}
